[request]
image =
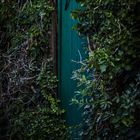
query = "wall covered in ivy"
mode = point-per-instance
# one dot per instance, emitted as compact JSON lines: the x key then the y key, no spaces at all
{"x":28,"y":102}
{"x":109,"y":79}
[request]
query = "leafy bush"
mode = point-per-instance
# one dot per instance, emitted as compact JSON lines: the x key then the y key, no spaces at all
{"x":109,"y":78}
{"x":29,"y":109}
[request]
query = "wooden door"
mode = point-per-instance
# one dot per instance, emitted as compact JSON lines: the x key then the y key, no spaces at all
{"x":69,"y":47}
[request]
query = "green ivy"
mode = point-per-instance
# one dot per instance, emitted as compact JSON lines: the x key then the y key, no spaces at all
{"x":109,"y":79}
{"x":29,"y":108}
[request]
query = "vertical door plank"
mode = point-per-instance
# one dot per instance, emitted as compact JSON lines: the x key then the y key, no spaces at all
{"x":69,"y":45}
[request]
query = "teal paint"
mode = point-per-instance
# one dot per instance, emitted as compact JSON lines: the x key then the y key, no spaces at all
{"x":69,"y":46}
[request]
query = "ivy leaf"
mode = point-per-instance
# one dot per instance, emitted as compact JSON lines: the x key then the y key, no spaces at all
{"x":103,"y":68}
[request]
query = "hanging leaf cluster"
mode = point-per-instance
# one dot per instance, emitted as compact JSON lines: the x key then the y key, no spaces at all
{"x":109,"y":78}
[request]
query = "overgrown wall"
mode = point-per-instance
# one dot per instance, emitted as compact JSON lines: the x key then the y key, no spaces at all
{"x":109,"y":79}
{"x":28,"y":100}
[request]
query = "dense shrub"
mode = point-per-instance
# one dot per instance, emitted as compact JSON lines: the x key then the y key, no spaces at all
{"x":28,"y":103}
{"x":109,"y":78}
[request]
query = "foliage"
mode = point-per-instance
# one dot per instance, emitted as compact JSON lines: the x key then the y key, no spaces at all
{"x":29,"y":109}
{"x":109,"y":78}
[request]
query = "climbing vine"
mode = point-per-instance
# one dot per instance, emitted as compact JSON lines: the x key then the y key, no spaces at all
{"x":109,"y":78}
{"x":29,"y":109}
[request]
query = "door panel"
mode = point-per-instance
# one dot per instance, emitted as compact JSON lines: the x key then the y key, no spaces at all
{"x":69,"y":45}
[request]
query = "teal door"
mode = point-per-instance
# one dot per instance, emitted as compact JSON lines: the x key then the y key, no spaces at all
{"x":69,"y":49}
